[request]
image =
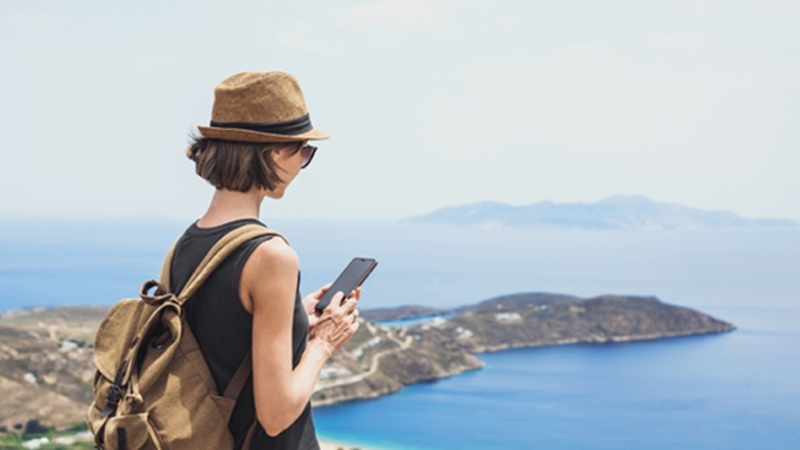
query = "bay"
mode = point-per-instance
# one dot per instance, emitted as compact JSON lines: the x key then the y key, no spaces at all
{"x":737,"y":390}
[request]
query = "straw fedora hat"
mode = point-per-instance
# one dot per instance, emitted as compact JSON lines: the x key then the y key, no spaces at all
{"x":260,"y":107}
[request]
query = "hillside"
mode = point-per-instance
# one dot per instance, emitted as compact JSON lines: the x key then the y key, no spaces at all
{"x":597,"y":320}
{"x":621,"y":212}
{"x":46,"y":365}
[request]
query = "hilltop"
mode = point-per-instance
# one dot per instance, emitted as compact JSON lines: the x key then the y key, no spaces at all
{"x":46,"y":353}
{"x":621,"y":212}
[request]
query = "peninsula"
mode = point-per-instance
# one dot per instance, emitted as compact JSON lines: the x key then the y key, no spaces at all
{"x":46,"y":353}
{"x":382,"y":359}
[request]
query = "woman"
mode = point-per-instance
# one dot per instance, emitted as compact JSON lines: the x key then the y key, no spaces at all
{"x":255,"y":146}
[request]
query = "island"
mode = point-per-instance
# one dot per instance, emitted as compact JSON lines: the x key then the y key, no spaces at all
{"x":46,"y":353}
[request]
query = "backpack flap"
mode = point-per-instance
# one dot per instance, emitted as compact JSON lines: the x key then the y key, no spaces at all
{"x":156,"y":348}
{"x":159,"y":328}
{"x":118,"y":334}
{"x":115,"y":338}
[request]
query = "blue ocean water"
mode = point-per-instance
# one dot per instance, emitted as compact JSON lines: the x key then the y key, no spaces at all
{"x":732,"y":391}
{"x":737,"y":390}
{"x":46,"y":263}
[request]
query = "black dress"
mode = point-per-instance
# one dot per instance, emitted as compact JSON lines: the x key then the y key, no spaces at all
{"x":223,"y":329}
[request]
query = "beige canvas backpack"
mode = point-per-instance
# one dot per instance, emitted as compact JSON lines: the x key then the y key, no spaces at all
{"x":153,"y":388}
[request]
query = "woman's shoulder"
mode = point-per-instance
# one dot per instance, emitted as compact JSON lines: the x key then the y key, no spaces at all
{"x":274,"y":255}
{"x":270,"y":271}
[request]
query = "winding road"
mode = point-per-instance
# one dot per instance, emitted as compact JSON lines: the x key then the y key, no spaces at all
{"x":374,"y":361}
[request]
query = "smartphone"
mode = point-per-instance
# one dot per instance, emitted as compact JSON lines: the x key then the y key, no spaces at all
{"x":351,"y":277}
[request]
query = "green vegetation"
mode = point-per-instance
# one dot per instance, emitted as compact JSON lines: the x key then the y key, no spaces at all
{"x":56,"y":440}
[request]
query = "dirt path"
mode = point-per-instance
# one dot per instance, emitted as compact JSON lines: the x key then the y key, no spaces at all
{"x":374,"y":363}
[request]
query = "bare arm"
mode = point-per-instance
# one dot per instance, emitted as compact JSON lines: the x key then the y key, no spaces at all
{"x":268,"y":288}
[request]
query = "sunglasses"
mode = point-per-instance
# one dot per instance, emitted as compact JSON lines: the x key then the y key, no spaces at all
{"x":307,"y":153}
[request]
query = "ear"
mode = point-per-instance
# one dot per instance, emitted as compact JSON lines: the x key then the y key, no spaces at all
{"x":283,"y":152}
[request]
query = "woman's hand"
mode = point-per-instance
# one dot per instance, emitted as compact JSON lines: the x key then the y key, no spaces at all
{"x":310,"y":303}
{"x":337,"y":323}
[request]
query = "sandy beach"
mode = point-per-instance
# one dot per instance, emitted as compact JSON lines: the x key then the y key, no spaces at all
{"x":330,"y":445}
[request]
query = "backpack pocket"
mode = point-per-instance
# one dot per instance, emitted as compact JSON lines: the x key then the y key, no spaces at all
{"x":131,"y":432}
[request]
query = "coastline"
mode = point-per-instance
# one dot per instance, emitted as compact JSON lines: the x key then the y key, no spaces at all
{"x":619,"y":319}
{"x":326,"y":444}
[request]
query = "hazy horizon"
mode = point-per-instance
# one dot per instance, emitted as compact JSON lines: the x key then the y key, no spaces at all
{"x":165,"y":218}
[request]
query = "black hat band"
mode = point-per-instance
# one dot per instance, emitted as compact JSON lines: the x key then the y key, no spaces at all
{"x":289,"y":127}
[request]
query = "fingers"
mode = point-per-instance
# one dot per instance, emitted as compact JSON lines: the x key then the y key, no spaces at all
{"x":321,"y":291}
{"x":349,"y":304}
{"x":339,"y":321}
{"x":356,"y":293}
{"x":339,"y":298}
{"x":336,"y":326}
{"x":336,"y":302}
{"x":353,"y":322}
{"x":341,"y":310}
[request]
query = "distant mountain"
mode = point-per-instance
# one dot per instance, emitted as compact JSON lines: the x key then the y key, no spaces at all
{"x":621,"y":212}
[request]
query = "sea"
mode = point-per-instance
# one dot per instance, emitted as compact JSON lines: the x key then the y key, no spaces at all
{"x":738,"y":390}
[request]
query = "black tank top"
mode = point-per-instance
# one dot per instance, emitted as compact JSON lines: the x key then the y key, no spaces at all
{"x":223,"y":329}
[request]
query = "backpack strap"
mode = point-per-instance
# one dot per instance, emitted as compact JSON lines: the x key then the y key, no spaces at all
{"x":218,"y":253}
{"x":251,"y":432}
{"x":239,"y":378}
{"x":167,"y":264}
{"x":234,"y":388}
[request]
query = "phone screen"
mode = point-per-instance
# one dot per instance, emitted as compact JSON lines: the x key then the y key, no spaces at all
{"x":351,"y":277}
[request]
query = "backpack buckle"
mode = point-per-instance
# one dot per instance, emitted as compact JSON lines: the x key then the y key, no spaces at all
{"x":114,"y":391}
{"x":112,"y":398}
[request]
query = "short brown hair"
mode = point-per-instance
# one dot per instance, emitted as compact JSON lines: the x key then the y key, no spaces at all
{"x":236,"y":166}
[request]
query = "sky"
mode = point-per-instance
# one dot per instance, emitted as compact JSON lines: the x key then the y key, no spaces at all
{"x":429,"y":103}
